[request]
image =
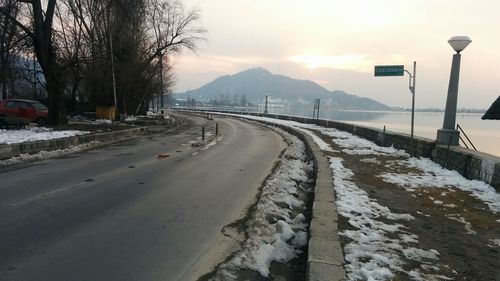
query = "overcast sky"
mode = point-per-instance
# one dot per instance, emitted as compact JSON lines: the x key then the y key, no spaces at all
{"x":337,"y":43}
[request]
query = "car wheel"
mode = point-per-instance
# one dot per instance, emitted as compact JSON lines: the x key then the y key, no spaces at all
{"x":41,"y":122}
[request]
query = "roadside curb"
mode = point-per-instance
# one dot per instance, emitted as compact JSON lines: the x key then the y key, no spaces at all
{"x":325,"y":259}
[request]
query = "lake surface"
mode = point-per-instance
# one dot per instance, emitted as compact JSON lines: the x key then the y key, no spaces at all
{"x":484,"y":134}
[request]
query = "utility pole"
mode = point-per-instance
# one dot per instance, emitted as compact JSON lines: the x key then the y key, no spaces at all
{"x":112,"y":63}
{"x":161,"y":82}
{"x":265,"y":109}
{"x":34,"y":74}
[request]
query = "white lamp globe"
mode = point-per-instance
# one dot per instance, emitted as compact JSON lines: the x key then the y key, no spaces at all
{"x":459,"y":43}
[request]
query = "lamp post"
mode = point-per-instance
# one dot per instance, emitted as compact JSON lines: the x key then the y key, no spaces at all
{"x":449,"y":134}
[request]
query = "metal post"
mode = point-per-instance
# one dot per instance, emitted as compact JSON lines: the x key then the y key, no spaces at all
{"x":449,"y":131}
{"x":318,"y":109}
{"x":413,"y":107}
{"x":216,"y":129}
{"x":203,"y":133}
{"x":265,"y":110}
{"x":383,"y":136}
{"x":412,"y":90}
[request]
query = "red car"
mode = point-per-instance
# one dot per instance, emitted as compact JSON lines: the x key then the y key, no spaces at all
{"x":31,"y":110}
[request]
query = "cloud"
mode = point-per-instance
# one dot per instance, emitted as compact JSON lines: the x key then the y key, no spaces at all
{"x":220,"y":63}
{"x":346,"y":62}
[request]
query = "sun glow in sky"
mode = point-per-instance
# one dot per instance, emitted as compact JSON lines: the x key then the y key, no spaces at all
{"x":339,"y":42}
{"x":349,"y":61}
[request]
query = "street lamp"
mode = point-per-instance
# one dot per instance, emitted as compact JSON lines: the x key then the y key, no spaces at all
{"x":449,"y":134}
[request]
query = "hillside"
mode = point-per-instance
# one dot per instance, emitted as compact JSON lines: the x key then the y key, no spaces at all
{"x":256,"y":83}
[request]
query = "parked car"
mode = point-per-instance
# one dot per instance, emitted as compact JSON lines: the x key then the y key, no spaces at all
{"x":31,"y":110}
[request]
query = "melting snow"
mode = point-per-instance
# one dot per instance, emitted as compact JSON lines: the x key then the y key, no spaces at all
{"x":274,"y":232}
{"x":494,"y":243}
{"x":380,"y":244}
{"x":46,"y":154}
{"x":433,"y":175}
{"x":467,"y":225}
{"x":371,"y":253}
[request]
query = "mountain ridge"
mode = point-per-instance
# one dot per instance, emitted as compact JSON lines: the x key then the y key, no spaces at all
{"x":256,"y":83}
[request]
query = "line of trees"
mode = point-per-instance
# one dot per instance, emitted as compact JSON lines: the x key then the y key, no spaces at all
{"x":97,"y":52}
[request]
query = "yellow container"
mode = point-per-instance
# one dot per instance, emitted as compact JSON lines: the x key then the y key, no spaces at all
{"x":105,"y":112}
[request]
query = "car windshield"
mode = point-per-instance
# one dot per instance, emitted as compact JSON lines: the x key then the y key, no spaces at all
{"x":39,"y":106}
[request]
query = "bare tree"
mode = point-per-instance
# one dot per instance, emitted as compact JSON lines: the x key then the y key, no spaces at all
{"x":10,"y":45}
{"x":86,"y":43}
{"x":172,"y":30}
{"x":41,"y":33}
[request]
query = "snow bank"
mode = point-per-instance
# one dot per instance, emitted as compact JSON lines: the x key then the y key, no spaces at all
{"x":274,"y":232}
{"x":35,"y":134}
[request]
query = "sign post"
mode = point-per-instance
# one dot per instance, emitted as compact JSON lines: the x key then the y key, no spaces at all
{"x":399,"y":70}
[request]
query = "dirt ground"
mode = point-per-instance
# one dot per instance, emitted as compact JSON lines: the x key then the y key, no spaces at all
{"x":465,"y":247}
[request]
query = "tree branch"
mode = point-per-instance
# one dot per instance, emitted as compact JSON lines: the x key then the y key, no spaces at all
{"x":16,"y":22}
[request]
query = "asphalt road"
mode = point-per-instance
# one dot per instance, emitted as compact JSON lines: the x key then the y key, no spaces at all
{"x":120,"y":213}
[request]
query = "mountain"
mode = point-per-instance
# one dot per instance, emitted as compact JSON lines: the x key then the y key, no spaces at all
{"x":256,"y":83}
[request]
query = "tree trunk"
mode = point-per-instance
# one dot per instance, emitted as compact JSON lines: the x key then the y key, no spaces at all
{"x":55,"y":89}
{"x":46,"y":56}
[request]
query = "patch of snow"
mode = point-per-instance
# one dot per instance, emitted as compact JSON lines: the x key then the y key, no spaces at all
{"x":35,"y":134}
{"x":494,"y":243}
{"x":274,"y":233}
{"x":103,"y":121}
{"x":433,"y":175}
{"x":355,"y":145}
{"x":371,"y":160}
{"x":467,"y":225}
{"x":321,"y":143}
{"x":131,"y":118}
{"x":371,"y":254}
{"x":46,"y":154}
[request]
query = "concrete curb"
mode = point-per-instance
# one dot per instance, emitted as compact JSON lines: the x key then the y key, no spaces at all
{"x":325,"y":259}
{"x":325,"y":254}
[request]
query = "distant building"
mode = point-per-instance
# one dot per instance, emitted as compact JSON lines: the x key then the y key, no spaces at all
{"x":494,"y":112}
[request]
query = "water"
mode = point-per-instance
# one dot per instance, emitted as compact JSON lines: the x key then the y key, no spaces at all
{"x":484,"y":134}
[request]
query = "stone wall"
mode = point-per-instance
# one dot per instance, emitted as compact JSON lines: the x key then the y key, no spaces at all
{"x":471,"y":164}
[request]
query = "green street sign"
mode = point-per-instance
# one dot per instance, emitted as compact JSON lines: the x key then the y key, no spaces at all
{"x":389,"y":70}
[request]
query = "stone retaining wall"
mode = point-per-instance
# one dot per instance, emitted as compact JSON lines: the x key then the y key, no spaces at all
{"x":474,"y":165}
{"x":16,"y":149}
